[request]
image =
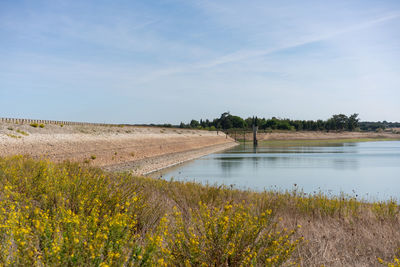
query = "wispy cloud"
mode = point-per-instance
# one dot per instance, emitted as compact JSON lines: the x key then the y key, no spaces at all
{"x":247,"y":54}
{"x":216,"y":52}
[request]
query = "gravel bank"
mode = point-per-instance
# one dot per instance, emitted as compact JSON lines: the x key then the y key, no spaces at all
{"x":141,"y":149}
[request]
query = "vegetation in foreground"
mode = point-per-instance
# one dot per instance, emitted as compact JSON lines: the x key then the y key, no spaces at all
{"x":67,"y":214}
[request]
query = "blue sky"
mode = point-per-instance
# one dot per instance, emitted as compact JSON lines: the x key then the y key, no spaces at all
{"x":174,"y":60}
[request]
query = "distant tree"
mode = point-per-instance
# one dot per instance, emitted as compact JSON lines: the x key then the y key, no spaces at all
{"x":225,"y":120}
{"x":340,"y":121}
{"x":320,"y":125}
{"x":330,"y":125}
{"x":237,"y":122}
{"x":298,"y":125}
{"x":249,"y":122}
{"x":194,"y":124}
{"x":352,"y":122}
{"x":203,"y":123}
{"x":283,"y":125}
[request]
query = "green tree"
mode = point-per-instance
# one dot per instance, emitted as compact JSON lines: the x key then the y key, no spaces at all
{"x":194,"y":124}
{"x":352,"y":122}
{"x":340,"y":121}
{"x":237,"y":122}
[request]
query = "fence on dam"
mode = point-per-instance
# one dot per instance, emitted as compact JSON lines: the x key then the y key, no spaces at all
{"x":30,"y":121}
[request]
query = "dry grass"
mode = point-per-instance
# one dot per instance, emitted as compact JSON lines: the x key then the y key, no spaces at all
{"x":339,"y":231}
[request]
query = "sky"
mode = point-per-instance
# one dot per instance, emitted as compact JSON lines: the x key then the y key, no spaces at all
{"x":169,"y":61}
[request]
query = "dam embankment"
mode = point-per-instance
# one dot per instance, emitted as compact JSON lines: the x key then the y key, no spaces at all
{"x":119,"y":148}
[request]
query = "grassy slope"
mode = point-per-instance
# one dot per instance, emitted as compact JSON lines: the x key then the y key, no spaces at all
{"x":52,"y":211}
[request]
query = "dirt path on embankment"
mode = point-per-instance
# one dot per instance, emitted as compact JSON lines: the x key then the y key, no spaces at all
{"x":140,"y":149}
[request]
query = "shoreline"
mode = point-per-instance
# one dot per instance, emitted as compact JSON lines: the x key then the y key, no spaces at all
{"x":153,"y":164}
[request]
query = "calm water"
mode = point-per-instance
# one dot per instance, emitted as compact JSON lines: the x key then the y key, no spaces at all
{"x":368,"y":170}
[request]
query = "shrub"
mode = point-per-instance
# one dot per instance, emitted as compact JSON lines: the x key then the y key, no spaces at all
{"x":22,"y":132}
{"x":41,"y":125}
{"x":71,"y":215}
{"x":13,"y":136}
{"x":35,"y":125}
{"x":395,"y":263}
{"x":230,"y":236}
{"x":64,"y":216}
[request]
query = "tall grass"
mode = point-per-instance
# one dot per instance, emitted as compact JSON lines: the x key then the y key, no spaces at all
{"x":71,"y":215}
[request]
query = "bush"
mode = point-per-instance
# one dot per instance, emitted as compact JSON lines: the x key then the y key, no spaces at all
{"x":61,"y":215}
{"x":35,"y":125}
{"x":22,"y":132}
{"x":71,"y":215}
{"x":231,"y":236}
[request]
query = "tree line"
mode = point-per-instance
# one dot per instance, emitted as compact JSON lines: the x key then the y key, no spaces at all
{"x":338,"y":122}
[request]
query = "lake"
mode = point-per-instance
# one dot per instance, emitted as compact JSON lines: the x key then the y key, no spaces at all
{"x":368,"y":170}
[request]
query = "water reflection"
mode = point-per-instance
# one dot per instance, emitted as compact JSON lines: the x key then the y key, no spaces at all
{"x":229,"y":164}
{"x":345,"y":164}
{"x":370,"y":169}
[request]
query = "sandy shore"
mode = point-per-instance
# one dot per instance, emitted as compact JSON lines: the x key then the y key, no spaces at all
{"x":138,"y":149}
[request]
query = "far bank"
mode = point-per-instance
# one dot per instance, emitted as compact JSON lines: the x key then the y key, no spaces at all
{"x":314,"y":135}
